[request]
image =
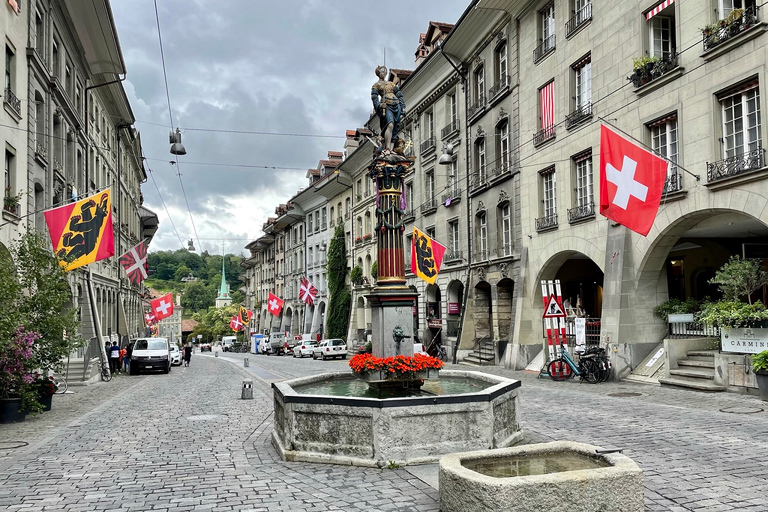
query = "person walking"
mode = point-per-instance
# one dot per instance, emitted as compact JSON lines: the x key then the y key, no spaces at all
{"x":187,"y":353}
{"x":127,"y":358}
{"x":114,"y":358}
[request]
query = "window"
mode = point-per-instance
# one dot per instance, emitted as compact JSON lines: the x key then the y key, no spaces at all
{"x":430,"y":232}
{"x":506,"y":229}
{"x":325,"y":218}
{"x":583,"y":179}
{"x":55,"y":59}
{"x":482,"y":235}
{"x":546,"y":113}
{"x":452,"y":113}
{"x":9,"y":69}
{"x":409,"y":198}
{"x":479,"y":84}
{"x":741,"y":121}
{"x":332,"y":212}
{"x":664,"y":142}
{"x":582,"y":12}
{"x":583,"y":71}
{"x":429,"y":126}
{"x":480,"y":161}
{"x":661,"y":31}
{"x":39,"y":34}
{"x":500,"y":67}
{"x":453,"y":174}
{"x":502,"y":148}
{"x":8,"y":186}
{"x":724,"y":7}
{"x":453,"y":236}
{"x":548,"y":193}
{"x":429,"y":186}
{"x":347,"y":206}
{"x":546,"y":32}
{"x":317,"y":221}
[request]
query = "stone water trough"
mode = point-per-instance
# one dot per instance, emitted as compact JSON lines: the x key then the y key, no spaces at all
{"x":558,"y":476}
{"x":364,"y":431}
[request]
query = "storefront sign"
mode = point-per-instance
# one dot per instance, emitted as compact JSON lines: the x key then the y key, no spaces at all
{"x":680,"y":318}
{"x":744,"y":340}
{"x":580,"y":331}
{"x":453,"y":308}
{"x":434,"y":323}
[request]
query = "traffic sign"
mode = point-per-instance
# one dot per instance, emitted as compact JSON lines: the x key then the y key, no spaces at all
{"x":554,"y":309}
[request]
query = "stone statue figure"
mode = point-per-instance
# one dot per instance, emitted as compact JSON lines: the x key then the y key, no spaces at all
{"x":389,"y":104}
{"x":398,"y":336}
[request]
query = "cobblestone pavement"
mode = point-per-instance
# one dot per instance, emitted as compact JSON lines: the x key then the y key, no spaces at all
{"x":186,"y":442}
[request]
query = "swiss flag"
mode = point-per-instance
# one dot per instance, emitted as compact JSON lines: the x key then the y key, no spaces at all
{"x":274,"y":305}
{"x":631,"y":182}
{"x":235,"y":324}
{"x":163,"y":307}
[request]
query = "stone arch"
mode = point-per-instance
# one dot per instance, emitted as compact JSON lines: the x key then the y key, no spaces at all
{"x":504,"y":307}
{"x":483,"y":310}
{"x":552,"y":257}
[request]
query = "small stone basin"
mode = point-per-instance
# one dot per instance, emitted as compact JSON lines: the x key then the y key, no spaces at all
{"x":558,"y":476}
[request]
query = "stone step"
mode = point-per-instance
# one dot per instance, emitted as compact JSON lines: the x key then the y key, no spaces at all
{"x":697,"y":384}
{"x":698,"y":363}
{"x":709,"y":354}
{"x":694,"y":373}
{"x":474,"y":360}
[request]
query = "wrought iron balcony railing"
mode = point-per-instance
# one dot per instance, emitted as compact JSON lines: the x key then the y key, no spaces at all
{"x":673,"y":183}
{"x":585,"y":211}
{"x":428,"y":145}
{"x":580,"y":113}
{"x":735,"y":165}
{"x":454,"y":256}
{"x":476,"y":106}
{"x":12,"y":101}
{"x":429,"y":206}
{"x":482,"y":255}
{"x":716,"y":34}
{"x":544,"y":135}
{"x":546,"y":222}
{"x":499,"y":171}
{"x":499,"y":86}
{"x":452,"y":127}
{"x":504,"y":250}
{"x":546,"y":46}
{"x":408,"y":214}
{"x":478,"y":180}
{"x":454,"y":196}
{"x":580,"y":18}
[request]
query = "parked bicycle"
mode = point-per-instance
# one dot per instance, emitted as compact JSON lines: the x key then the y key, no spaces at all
{"x":604,"y":365}
{"x":564,"y":367}
{"x":106,"y":374}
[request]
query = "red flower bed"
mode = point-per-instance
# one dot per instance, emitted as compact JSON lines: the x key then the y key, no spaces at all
{"x":394,"y":367}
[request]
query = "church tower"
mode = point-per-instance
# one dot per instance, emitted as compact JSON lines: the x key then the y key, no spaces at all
{"x":223,"y":298}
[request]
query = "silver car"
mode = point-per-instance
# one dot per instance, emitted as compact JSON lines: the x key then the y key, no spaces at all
{"x":305,"y":348}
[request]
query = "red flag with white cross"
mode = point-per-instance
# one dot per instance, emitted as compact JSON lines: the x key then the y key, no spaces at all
{"x":307,"y":291}
{"x":631,"y":182}
{"x":162,"y":307}
{"x":235,"y":324}
{"x":274,"y":305}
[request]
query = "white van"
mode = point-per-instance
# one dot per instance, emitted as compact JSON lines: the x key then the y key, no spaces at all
{"x":227,"y":342}
{"x":151,"y":354}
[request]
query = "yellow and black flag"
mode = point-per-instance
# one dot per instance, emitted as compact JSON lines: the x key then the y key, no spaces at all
{"x":245,"y":315}
{"x":81,"y":232}
{"x":426,"y":256}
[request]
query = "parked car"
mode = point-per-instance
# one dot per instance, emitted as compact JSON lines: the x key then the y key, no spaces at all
{"x":205,"y":347}
{"x":151,"y":354}
{"x":175,"y":355}
{"x":305,"y":348}
{"x":330,"y":348}
{"x":263,"y":347}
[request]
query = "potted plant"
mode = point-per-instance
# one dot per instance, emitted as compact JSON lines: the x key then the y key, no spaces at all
{"x":10,"y":201}
{"x":44,"y":388}
{"x":356,"y":276}
{"x":760,"y":367}
{"x":375,"y":270}
{"x":16,"y":394}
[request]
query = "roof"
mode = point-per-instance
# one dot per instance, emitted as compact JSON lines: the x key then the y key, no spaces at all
{"x":188,"y":325}
{"x":337,"y":154}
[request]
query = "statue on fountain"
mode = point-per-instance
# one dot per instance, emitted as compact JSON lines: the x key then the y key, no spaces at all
{"x":389,"y":105}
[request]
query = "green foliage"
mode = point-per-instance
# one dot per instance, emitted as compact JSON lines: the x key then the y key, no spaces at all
{"x":732,"y":313}
{"x":35,"y":294}
{"x":675,"y":307}
{"x":215,"y":322}
{"x":181,"y":272}
{"x":639,"y":64}
{"x":739,"y":278}
{"x":356,"y":276}
{"x":337,"y":318}
{"x":392,"y":465}
{"x":760,"y":361}
{"x":197,"y":296}
{"x":375,"y":270}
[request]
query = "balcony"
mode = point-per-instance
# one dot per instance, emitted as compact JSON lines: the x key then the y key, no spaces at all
{"x":579,"y":213}
{"x":454,"y":196}
{"x":427,"y":145}
{"x":544,"y":135}
{"x":429,"y":206}
{"x":546,"y":222}
{"x":453,"y":127}
{"x":41,"y":154}
{"x":478,"y":180}
{"x":649,"y":69}
{"x":408,"y":215}
{"x":482,"y":255}
{"x":14,"y":103}
{"x":453,"y":256}
{"x":579,"y":20}
{"x":499,"y":172}
{"x":735,"y":165}
{"x":476,"y":107}
{"x":547,"y":45}
{"x":725,"y":30}
{"x":504,"y":250}
{"x":673,"y":183}
{"x":499,"y":87}
{"x":580,"y":114}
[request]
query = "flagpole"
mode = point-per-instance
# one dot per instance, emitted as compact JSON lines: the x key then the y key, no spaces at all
{"x":698,"y":178}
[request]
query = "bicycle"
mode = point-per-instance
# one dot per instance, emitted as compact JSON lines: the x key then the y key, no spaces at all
{"x":60,"y":382}
{"x":604,"y":365}
{"x":106,"y":374}
{"x":564,"y":367}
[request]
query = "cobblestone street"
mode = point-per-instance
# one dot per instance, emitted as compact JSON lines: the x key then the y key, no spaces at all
{"x":187,"y":441}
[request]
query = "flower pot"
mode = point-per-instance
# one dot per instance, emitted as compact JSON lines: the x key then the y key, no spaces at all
{"x":46,"y":401}
{"x":428,"y":374}
{"x":762,"y":384}
{"x":11,"y":411}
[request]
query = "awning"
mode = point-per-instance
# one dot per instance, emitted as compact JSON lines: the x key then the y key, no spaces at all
{"x":656,"y":10}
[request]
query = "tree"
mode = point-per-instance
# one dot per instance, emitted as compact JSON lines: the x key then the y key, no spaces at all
{"x":740,"y":277}
{"x":339,"y":305}
{"x":198,"y":297}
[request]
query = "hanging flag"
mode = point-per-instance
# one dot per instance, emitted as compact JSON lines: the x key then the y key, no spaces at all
{"x":154,"y":330}
{"x":81,"y":232}
{"x":149,"y":319}
{"x":307,"y":291}
{"x":14,"y":5}
{"x":274,"y":305}
{"x":426,"y":256}
{"x":245,"y":315}
{"x":162,"y":307}
{"x":547,"y":105}
{"x":235,"y":324}
{"x":135,"y":262}
{"x":631,"y":182}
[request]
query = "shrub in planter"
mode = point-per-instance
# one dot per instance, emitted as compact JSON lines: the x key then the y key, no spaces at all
{"x":732,"y":313}
{"x":760,"y":362}
{"x":676,"y":307}
{"x":356,"y":276}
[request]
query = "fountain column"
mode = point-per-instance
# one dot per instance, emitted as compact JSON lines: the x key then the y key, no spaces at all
{"x":391,"y":302}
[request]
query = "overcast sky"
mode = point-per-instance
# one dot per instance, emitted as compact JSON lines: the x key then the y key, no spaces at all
{"x":289,"y":66}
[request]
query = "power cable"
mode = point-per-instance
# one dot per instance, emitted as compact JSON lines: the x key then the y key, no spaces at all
{"x":151,"y":174}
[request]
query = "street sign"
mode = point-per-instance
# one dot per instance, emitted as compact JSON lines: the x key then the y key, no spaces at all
{"x":199,"y":336}
{"x":554,"y":309}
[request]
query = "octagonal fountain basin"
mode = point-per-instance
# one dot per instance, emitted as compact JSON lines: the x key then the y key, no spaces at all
{"x":337,"y":418}
{"x":557,"y":476}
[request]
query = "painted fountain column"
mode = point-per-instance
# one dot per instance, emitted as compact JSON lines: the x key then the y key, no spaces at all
{"x":392,"y":301}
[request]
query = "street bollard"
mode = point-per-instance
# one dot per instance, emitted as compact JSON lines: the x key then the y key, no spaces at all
{"x":246,"y":363}
{"x":216,"y":354}
{"x":247,"y":390}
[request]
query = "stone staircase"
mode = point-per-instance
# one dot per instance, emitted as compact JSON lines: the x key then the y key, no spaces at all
{"x":483,"y":355}
{"x":697,"y":371}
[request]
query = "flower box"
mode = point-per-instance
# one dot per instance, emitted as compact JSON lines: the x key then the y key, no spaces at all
{"x":398,"y":368}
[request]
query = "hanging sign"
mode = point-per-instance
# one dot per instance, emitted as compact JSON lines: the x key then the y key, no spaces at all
{"x":453,"y":308}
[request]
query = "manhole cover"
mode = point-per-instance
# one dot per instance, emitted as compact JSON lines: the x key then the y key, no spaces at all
{"x":12,"y":445}
{"x":625,"y":394}
{"x":741,"y":410}
{"x":204,"y":417}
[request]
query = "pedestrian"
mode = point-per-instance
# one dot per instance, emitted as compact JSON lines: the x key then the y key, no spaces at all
{"x":128,"y":354}
{"x":187,"y":353}
{"x":114,"y":358}
{"x":124,"y":359}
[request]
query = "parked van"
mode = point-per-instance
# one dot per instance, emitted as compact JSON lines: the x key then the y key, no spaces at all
{"x":151,"y":354}
{"x":227,"y":342}
{"x":277,"y":343}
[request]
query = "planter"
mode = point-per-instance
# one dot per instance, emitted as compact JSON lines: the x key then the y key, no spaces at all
{"x":45,"y":401}
{"x":11,"y":411}
{"x":762,"y":384}
{"x":382,"y":376}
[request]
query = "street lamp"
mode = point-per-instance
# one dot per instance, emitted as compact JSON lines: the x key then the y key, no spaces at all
{"x":447,"y":157}
{"x":177,"y":148}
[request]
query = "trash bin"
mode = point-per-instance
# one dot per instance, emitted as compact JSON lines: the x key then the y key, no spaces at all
{"x":216,"y":354}
{"x":247,"y":390}
{"x":246,"y":363}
